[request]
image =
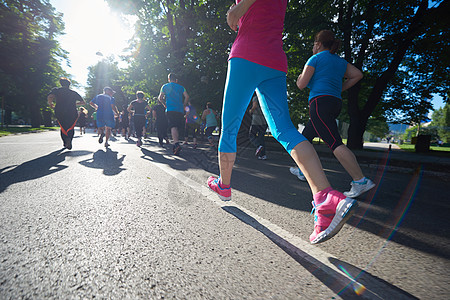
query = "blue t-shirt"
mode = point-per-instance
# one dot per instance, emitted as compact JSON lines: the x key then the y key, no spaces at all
{"x":174,"y":96}
{"x":104,"y":110}
{"x":328,"y":74}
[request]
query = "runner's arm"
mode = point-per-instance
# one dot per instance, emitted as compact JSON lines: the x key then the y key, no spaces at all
{"x":115,"y":110}
{"x":304,"y":78}
{"x":129,"y":108}
{"x":205,"y":113}
{"x":254,"y":106}
{"x":162,"y":98}
{"x":236,"y":12}
{"x":352,"y":76}
{"x":186,"y":98}
{"x":93,"y":105}
{"x":50,"y":99}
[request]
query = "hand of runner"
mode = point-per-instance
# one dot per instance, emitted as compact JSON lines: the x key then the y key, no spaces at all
{"x":236,"y":12}
{"x":233,"y":17}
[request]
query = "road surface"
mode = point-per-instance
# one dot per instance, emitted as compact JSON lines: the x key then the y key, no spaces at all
{"x":139,"y":223}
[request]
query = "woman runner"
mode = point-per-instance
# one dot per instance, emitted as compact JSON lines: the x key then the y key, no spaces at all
{"x":257,"y":62}
{"x":139,"y":106}
{"x":323,"y":74}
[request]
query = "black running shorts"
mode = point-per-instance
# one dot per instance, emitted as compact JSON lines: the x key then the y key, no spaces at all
{"x":323,"y":111}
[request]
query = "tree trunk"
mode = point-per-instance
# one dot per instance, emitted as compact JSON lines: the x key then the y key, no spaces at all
{"x":35,"y":114}
{"x":358,"y":119}
{"x":47,"y":114}
{"x":8,"y":116}
{"x":170,"y":26}
{"x":356,"y":128}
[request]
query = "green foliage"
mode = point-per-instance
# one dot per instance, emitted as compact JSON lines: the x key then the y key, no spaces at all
{"x":387,"y":40}
{"x":393,"y":42}
{"x":415,"y":131}
{"x":13,"y":130}
{"x":378,"y":127}
{"x":189,"y":38}
{"x":29,"y":55}
{"x":441,"y":121}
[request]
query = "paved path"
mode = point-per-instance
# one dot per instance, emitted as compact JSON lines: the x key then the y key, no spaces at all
{"x":380,"y":146}
{"x":139,"y":223}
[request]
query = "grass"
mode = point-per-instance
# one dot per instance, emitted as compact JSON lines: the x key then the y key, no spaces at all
{"x":411,"y":148}
{"x":12,"y":130}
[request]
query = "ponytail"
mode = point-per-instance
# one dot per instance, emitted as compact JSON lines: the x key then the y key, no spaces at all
{"x":335,"y":46}
{"x":326,"y":37}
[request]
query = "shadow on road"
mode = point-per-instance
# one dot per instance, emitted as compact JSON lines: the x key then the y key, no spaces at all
{"x":36,"y":168}
{"x":165,"y":156}
{"x":340,"y":284}
{"x":369,"y":281}
{"x":394,"y":210}
{"x":107,"y":160}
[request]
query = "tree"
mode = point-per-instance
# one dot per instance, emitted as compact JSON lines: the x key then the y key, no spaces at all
{"x":393,"y":42}
{"x":378,"y":127}
{"x":189,"y":38}
{"x":29,"y":55}
{"x":106,"y":73}
{"x":441,"y":121}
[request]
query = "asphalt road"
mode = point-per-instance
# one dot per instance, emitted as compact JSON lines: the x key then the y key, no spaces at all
{"x":139,"y":223}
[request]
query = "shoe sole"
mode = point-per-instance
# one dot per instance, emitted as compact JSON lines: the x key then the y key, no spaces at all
{"x":368,"y":188}
{"x":345,"y":209}
{"x":223,"y":198}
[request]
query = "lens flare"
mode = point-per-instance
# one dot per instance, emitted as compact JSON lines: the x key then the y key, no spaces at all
{"x":358,"y":288}
{"x":390,"y":226}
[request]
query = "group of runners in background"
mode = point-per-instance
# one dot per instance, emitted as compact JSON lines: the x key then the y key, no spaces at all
{"x":257,"y":63}
{"x":173,"y":113}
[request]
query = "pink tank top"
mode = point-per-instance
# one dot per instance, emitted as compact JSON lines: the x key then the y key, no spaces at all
{"x":259,"y":38}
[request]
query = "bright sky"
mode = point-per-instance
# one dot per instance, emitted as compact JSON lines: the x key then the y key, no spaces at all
{"x":91,"y":27}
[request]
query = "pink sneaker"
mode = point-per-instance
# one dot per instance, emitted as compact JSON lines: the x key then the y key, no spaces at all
{"x":330,"y":215}
{"x":223,"y":193}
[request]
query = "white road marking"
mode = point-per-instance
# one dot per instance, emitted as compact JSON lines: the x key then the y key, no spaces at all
{"x":317,"y":260}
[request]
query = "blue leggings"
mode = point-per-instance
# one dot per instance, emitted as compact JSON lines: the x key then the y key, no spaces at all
{"x":243,"y":78}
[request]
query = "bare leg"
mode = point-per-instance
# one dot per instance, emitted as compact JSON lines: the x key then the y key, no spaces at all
{"x":348,"y":160}
{"x":100,"y":130}
{"x":174,"y":132}
{"x":226,"y":162}
{"x":108,"y":134}
{"x":304,"y":155}
{"x":306,"y":158}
